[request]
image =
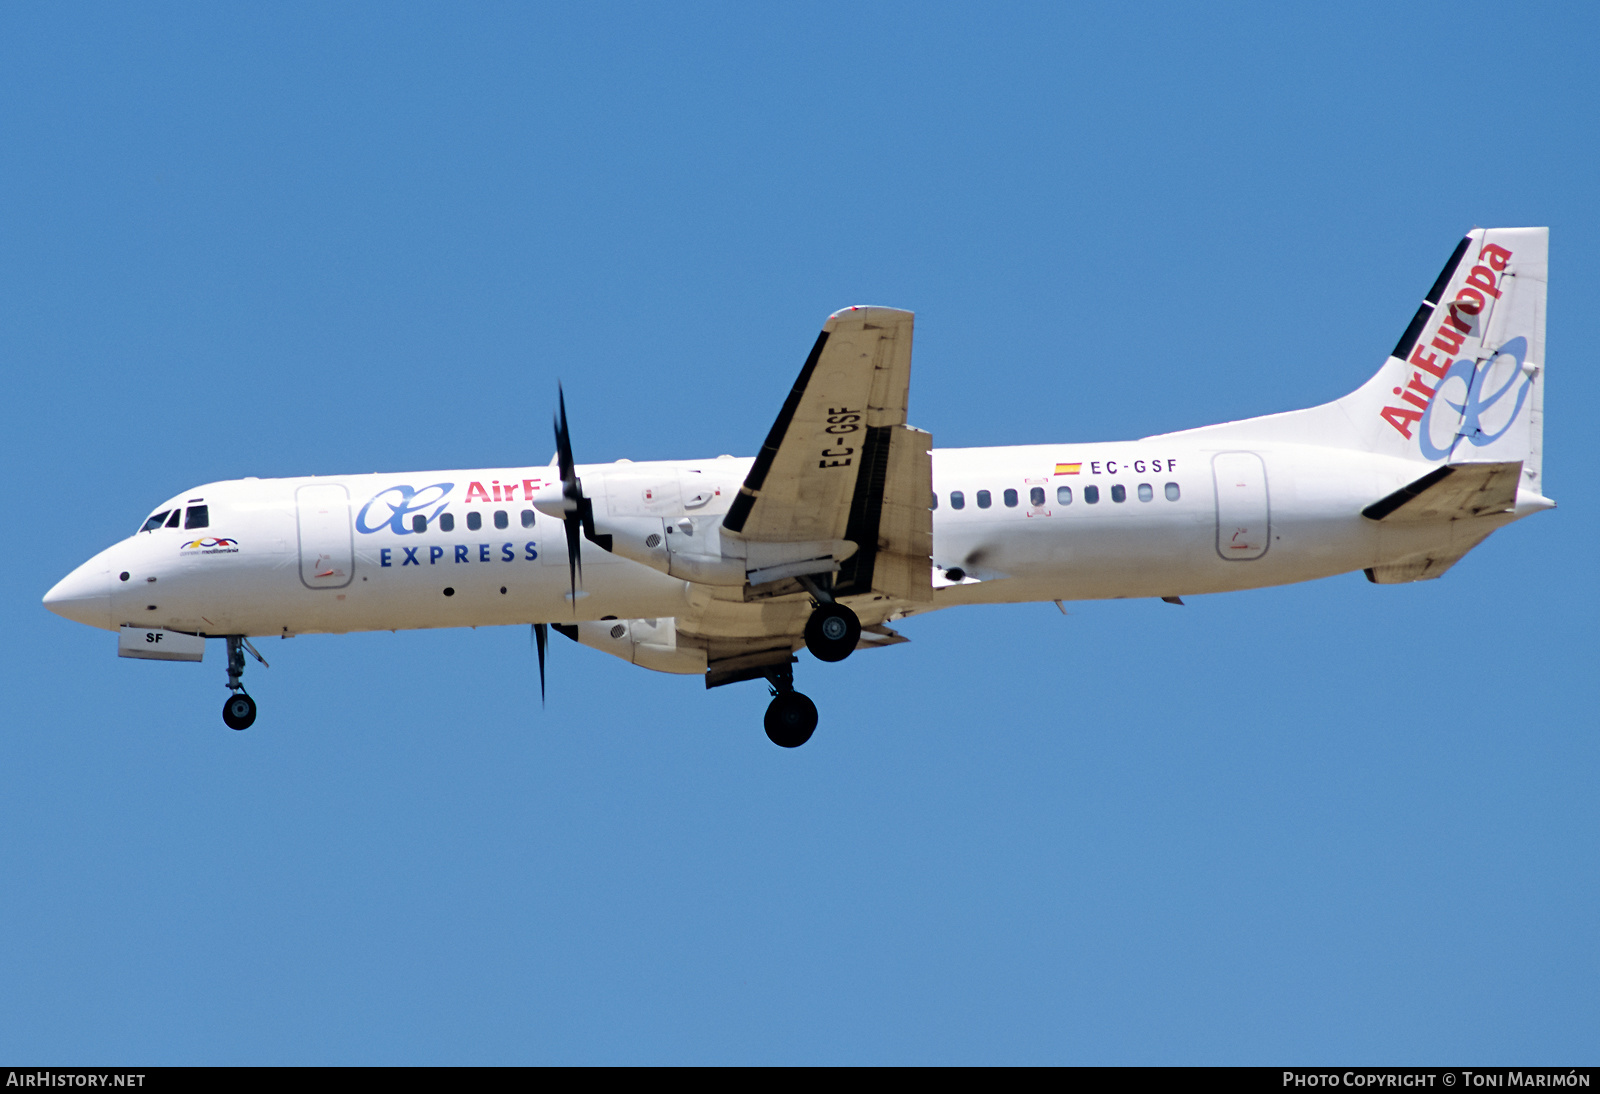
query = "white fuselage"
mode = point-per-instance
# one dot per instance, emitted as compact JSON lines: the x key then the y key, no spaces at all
{"x":848,"y":519}
{"x":341,"y":553}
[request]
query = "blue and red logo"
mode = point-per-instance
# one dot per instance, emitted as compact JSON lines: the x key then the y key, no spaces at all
{"x":401,"y":502}
{"x":1471,"y":412}
{"x":212,"y":545}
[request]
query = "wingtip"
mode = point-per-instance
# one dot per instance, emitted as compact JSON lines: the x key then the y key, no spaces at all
{"x":872,"y":311}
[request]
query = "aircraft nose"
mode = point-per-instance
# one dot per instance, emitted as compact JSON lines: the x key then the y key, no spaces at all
{"x":84,"y":595}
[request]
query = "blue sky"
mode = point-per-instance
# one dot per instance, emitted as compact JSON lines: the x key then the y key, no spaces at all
{"x":1325,"y":823}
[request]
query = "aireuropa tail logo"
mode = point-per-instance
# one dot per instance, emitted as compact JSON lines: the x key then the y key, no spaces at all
{"x":210,"y":545}
{"x":1474,"y":387}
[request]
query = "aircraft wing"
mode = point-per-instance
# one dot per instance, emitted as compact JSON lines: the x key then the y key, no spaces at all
{"x":841,"y":463}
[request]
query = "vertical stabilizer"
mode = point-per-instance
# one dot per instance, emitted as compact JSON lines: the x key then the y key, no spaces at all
{"x":1465,"y":383}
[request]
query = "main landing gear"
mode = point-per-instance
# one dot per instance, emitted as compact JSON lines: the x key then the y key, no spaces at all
{"x":833,"y":629}
{"x":832,"y":632}
{"x":831,"y":635}
{"x":239,"y":712}
{"x":791,"y":717}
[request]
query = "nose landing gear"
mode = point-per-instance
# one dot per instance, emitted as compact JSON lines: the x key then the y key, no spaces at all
{"x":791,"y":717}
{"x":239,"y":712}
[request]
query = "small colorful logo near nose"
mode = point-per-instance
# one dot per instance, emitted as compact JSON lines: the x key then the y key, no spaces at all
{"x":210,"y":543}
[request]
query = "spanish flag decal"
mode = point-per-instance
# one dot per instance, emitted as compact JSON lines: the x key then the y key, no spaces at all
{"x":1068,"y":468}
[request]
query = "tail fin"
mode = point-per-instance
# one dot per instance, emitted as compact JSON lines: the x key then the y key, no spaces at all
{"x":1465,"y":383}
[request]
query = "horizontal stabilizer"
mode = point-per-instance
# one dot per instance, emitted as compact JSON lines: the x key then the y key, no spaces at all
{"x":1452,"y":492}
{"x":1427,"y":565}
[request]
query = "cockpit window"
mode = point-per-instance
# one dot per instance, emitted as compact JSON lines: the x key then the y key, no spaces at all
{"x":172,"y":521}
{"x":155,"y":522}
{"x":199,"y":516}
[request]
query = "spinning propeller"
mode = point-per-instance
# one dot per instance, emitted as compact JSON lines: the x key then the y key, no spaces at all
{"x":541,"y":640}
{"x":576,"y":513}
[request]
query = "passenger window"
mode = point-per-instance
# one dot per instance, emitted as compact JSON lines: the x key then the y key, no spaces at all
{"x":1091,"y":495}
{"x":527,"y":518}
{"x":155,"y":522}
{"x":474,"y":520}
{"x":500,"y":519}
{"x":1119,"y":493}
{"x":173,"y":522}
{"x":935,"y":504}
{"x":447,"y":522}
{"x":958,"y":500}
{"x":1036,"y":496}
{"x":1063,"y":495}
{"x":1145,"y":493}
{"x":984,"y":500}
{"x":1172,"y":491}
{"x":419,"y":523}
{"x":1010,"y":498}
{"x":198,"y":516}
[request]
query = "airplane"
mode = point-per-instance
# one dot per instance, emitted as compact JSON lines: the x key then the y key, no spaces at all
{"x":847,"y":519}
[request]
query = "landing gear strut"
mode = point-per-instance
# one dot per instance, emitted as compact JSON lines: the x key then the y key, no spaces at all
{"x":791,"y":717}
{"x":239,"y":712}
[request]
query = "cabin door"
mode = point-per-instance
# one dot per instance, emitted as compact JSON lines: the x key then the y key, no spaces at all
{"x":1244,"y":520}
{"x":327,"y":546}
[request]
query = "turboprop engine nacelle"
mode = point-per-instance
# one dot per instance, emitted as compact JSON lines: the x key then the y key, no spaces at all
{"x":697,"y":549}
{"x":648,"y":643}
